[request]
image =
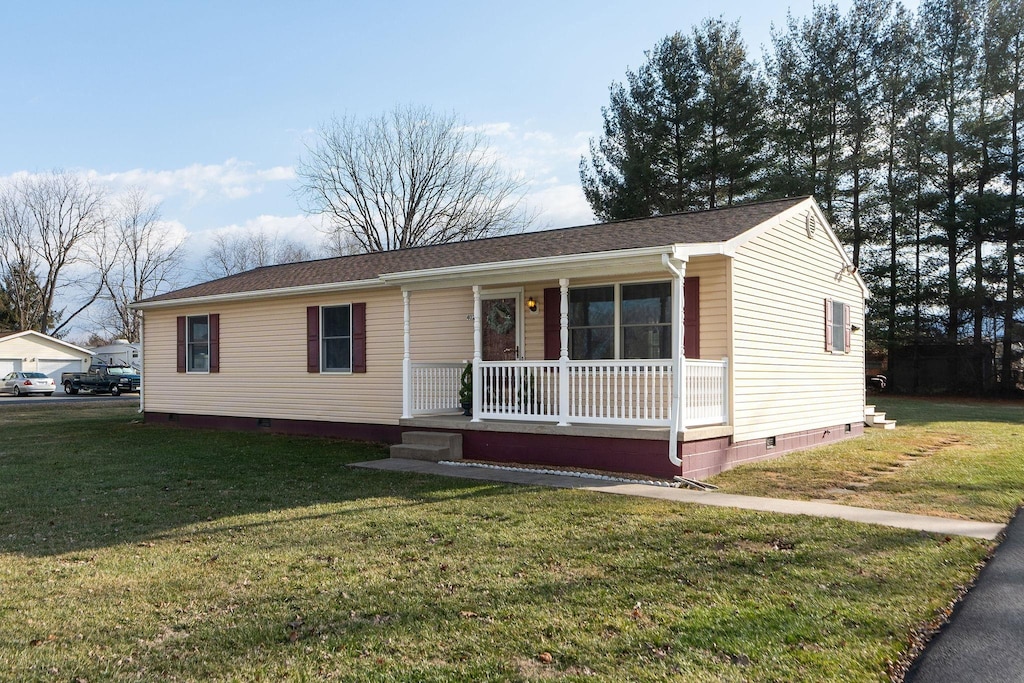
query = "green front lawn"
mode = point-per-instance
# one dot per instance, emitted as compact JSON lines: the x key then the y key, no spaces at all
{"x":947,"y":457}
{"x":134,"y":552}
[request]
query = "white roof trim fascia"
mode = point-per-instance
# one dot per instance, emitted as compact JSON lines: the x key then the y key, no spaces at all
{"x":736,"y":242}
{"x":48,"y":338}
{"x":260,"y":294}
{"x":519,"y":265}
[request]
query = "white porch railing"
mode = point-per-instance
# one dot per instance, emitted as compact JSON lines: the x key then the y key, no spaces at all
{"x":600,"y":392}
{"x":620,"y":392}
{"x":519,"y":390}
{"x":707,"y":392}
{"x":435,"y":387}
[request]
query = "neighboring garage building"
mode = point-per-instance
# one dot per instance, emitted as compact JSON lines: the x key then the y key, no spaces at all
{"x":36,"y":352}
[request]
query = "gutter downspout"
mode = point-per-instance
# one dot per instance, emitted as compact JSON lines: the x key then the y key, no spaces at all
{"x":678,"y":358}
{"x":142,"y":365}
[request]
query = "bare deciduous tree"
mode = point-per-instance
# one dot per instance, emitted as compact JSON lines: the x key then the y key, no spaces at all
{"x":234,"y":253}
{"x":144,"y":259}
{"x":407,"y":178}
{"x":48,"y":228}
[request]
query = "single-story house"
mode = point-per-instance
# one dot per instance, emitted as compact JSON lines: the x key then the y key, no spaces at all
{"x":32,"y":351}
{"x":674,"y":345}
{"x":119,"y":352}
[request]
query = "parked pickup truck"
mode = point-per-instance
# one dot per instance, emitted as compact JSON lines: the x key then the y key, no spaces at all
{"x":102,"y":379}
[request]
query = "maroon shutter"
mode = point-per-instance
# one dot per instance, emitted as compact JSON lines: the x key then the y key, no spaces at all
{"x":552,"y":323}
{"x":828,"y":324}
{"x":181,"y":343}
{"x":359,"y":337}
{"x":691,"y":317}
{"x":846,"y":326}
{"x":312,"y":339}
{"x":215,"y":342}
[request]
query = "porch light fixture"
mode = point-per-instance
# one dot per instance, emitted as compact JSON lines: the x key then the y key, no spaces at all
{"x":531,"y":303}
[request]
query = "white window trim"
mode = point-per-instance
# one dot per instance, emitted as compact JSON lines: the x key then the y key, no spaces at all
{"x":188,"y":345}
{"x":323,"y":351}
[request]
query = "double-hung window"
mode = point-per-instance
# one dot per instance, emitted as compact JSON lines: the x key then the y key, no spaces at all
{"x":336,"y":338}
{"x":629,"y":321}
{"x":837,"y":326}
{"x":197,"y":346}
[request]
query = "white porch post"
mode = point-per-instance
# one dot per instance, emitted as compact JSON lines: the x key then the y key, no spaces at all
{"x":478,"y":343}
{"x":563,"y":354}
{"x":406,"y":360}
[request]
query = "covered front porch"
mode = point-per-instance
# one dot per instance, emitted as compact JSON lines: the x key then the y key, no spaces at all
{"x":512,"y":382}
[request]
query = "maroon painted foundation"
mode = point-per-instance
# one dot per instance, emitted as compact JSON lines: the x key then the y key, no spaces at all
{"x":334,"y":430}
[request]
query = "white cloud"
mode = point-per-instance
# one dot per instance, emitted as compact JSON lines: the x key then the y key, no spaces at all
{"x":232,"y":179}
{"x":549,"y":166}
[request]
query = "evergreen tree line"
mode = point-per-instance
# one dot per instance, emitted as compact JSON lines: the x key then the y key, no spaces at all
{"x":906,"y":126}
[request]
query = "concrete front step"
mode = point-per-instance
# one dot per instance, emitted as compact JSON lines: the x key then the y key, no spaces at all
{"x":452,"y":441}
{"x":420,"y":451}
{"x":433,"y":446}
{"x":884,"y":424}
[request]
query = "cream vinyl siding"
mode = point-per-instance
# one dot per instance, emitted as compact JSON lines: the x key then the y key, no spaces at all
{"x":783,"y":379}
{"x":440,"y":326}
{"x":714,"y":305}
{"x":263,"y":363}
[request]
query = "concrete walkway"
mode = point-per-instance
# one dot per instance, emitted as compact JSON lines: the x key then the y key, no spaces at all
{"x":900,"y":520}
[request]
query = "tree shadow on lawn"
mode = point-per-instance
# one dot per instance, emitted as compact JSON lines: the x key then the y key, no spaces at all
{"x":920,"y":411}
{"x":139,"y":483}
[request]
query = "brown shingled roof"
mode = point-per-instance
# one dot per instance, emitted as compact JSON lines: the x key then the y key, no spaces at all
{"x":712,"y":226}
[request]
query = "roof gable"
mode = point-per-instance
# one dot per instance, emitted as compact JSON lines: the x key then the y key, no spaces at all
{"x":715,"y":226}
{"x":45,"y":338}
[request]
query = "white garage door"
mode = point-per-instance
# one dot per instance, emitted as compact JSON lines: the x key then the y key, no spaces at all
{"x":9,"y":365}
{"x":54,"y":368}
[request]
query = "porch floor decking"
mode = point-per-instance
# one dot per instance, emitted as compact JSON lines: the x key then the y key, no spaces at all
{"x":463,"y":423}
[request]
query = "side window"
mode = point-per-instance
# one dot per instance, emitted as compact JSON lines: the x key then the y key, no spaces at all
{"x":336,"y":338}
{"x":837,"y":326}
{"x":198,"y":343}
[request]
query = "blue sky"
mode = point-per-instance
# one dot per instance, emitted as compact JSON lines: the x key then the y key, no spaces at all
{"x":209,"y":104}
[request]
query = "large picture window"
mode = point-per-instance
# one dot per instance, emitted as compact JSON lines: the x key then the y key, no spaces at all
{"x":630,"y":321}
{"x":197,"y":350}
{"x":336,"y":338}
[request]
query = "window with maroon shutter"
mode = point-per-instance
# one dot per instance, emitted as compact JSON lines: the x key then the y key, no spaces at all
{"x":313,"y":339}
{"x":828,"y":325}
{"x":336,"y":338}
{"x":215,"y":342}
{"x":691,"y":317}
{"x":181,"y":343}
{"x":552,"y":323}
{"x":198,"y":343}
{"x":359,"y":337}
{"x":837,"y":326}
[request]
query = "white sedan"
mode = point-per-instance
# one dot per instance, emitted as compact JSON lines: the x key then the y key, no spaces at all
{"x":25,"y":383}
